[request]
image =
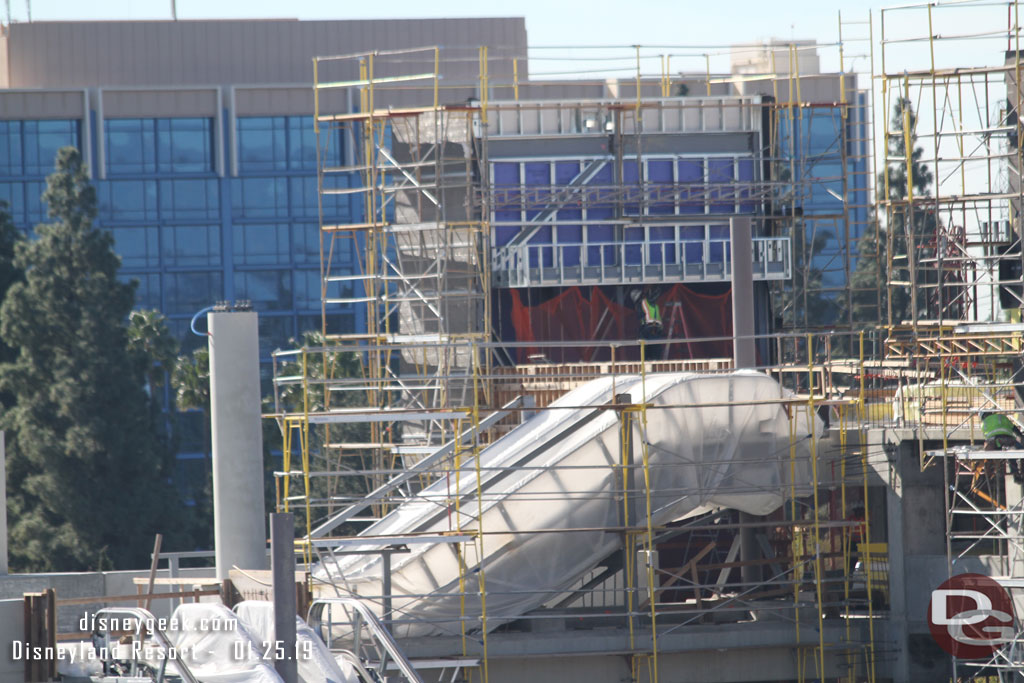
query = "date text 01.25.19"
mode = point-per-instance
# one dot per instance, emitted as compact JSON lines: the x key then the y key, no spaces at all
{"x":271,"y":650}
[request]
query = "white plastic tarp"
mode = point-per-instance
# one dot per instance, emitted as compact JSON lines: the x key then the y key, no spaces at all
{"x":314,"y":660}
{"x":552,"y":493}
{"x":216,"y":647}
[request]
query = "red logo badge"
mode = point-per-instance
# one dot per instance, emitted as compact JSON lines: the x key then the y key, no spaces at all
{"x":971,"y":616}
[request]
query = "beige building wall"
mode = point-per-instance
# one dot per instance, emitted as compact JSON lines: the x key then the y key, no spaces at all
{"x":63,"y":54}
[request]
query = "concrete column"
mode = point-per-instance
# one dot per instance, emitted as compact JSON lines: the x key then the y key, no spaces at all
{"x":898,"y":626}
{"x":239,"y":517}
{"x":282,"y":553}
{"x":743,"y":354}
{"x":742,"y":293}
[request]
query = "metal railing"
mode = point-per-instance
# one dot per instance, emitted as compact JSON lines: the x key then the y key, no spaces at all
{"x":649,"y":261}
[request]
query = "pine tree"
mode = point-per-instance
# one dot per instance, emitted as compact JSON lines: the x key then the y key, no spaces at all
{"x":10,"y":237}
{"x":89,"y":472}
{"x":871,"y":273}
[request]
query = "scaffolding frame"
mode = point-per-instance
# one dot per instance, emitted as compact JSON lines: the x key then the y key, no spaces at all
{"x":819,"y":583}
{"x":944,"y":250}
{"x":428,"y":394}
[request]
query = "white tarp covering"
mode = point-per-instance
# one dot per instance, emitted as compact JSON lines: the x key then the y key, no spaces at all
{"x":217,"y":648}
{"x":553,"y":485}
{"x":315,"y":663}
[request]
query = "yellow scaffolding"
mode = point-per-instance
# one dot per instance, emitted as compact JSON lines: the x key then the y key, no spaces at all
{"x":405,"y":373}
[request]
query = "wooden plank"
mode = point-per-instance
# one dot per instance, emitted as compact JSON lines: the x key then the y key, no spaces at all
{"x":129,"y":598}
{"x":51,"y":632}
{"x":176,"y":581}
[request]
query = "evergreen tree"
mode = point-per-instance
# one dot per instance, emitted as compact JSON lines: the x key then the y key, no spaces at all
{"x":89,"y":473}
{"x":867,"y":281}
{"x":871,"y":274}
{"x":802,"y":303}
{"x":10,"y":273}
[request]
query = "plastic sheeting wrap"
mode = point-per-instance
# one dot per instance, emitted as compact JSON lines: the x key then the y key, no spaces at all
{"x":314,"y":660}
{"x":216,"y":648}
{"x":714,"y":441}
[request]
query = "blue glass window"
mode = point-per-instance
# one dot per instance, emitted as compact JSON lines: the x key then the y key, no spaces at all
{"x":130,"y":145}
{"x":274,"y":332}
{"x":283,"y":143}
{"x":261,"y":244}
{"x":260,"y":197}
{"x":310,"y":322}
{"x":308,"y":289}
{"x":42,"y":141}
{"x":338,"y":207}
{"x":565,"y":173}
{"x":631,"y":183}
{"x":745,"y":172}
{"x":186,"y":293}
{"x":506,"y":174}
{"x":181,"y":329}
{"x":30,"y":147}
{"x":147,"y":290}
{"x":262,"y":144}
{"x":128,"y":200}
{"x":719,"y":250}
{"x":338,"y":322}
{"x":661,"y":201}
{"x":268,"y":290}
{"x":191,"y":245}
{"x":301,"y":142}
{"x":189,"y":199}
{"x":304,"y":198}
{"x":721,"y":199}
{"x":24,"y":202}
{"x":11,"y":154}
{"x":179,"y":145}
{"x":309,"y":293}
{"x":139,"y":247}
{"x":306,"y":245}
{"x":690,"y":174}
{"x":184,"y":145}
{"x":692,"y":237}
{"x":507,"y":201}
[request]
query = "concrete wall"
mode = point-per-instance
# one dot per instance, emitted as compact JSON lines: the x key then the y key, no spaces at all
{"x":84,"y":585}
{"x":11,"y":629}
{"x":715,"y":666}
{"x":52,"y":54}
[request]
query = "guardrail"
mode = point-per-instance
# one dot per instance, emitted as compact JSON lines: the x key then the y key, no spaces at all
{"x":601,"y":263}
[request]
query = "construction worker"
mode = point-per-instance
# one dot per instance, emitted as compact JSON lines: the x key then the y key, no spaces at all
{"x":999,"y":431}
{"x":650,"y":316}
{"x":1000,"y":435}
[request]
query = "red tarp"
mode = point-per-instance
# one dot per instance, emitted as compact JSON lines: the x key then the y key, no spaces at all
{"x":580,"y":314}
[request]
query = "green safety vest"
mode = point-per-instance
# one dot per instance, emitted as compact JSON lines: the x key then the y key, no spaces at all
{"x":997,"y":425}
{"x":651,"y":313}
